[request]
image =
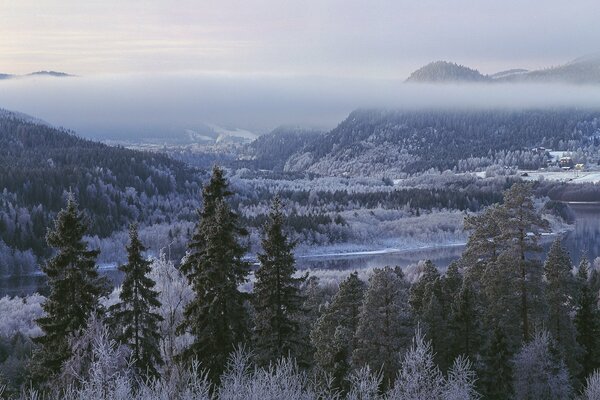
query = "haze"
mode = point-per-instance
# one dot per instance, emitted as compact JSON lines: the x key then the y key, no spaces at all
{"x":163,"y":105}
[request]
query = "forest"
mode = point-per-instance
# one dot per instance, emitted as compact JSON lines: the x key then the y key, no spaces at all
{"x":498,"y":323}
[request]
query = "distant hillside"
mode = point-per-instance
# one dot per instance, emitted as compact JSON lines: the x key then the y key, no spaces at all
{"x":580,"y":71}
{"x":114,"y":185}
{"x":584,"y":70}
{"x":54,"y":74}
{"x":272,"y":150}
{"x":443,"y":71}
{"x":391,"y":143}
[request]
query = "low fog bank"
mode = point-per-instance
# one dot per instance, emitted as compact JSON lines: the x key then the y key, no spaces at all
{"x":130,"y":107}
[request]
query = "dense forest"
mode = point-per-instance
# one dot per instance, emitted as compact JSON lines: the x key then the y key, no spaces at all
{"x":499,"y":323}
{"x":395,"y":143}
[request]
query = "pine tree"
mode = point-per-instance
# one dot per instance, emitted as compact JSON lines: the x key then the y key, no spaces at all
{"x":559,"y":293}
{"x":214,"y":266}
{"x":520,"y":225}
{"x":484,"y":243}
{"x":587,"y":323}
{"x":136,"y":322}
{"x":277,"y":301}
{"x":334,"y":333}
{"x":385,"y":323}
{"x":75,"y":289}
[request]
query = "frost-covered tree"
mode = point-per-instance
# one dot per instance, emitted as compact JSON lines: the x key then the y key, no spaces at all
{"x":587,"y":322}
{"x":559,"y":293}
{"x":75,"y":289}
{"x":334,"y":334}
{"x":460,"y":383}
{"x":277,"y":300}
{"x":419,"y":377}
{"x":484,"y":243}
{"x":591,"y":391}
{"x":214,"y":265}
{"x":539,"y":371}
{"x":385,"y":322}
{"x":135,"y":317}
{"x":174,"y":293}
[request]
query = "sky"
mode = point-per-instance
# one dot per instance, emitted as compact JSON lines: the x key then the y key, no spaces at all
{"x":155,"y":68}
{"x":329,"y":38}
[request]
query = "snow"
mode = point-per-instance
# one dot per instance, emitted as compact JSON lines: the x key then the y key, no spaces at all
{"x":571,"y":176}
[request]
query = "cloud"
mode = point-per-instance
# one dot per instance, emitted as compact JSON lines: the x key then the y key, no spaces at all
{"x":163,"y":105}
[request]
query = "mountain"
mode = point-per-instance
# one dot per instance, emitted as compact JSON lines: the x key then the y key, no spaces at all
{"x":393,"y":143}
{"x":115,"y":186}
{"x":53,"y":74}
{"x":583,"y":70}
{"x":443,"y":71}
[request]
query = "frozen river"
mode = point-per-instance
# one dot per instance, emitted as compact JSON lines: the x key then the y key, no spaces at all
{"x":585,"y":238}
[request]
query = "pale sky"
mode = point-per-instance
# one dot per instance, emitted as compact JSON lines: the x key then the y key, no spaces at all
{"x":349,"y":38}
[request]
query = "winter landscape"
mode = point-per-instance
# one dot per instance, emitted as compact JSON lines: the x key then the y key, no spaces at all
{"x":299,"y":200}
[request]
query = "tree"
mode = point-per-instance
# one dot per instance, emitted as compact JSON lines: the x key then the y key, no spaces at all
{"x":539,"y":371}
{"x":75,"y":289}
{"x":136,"y":320}
{"x":559,"y":293}
{"x":465,"y":322}
{"x":520,"y":225}
{"x":587,"y":322}
{"x":385,"y":323}
{"x":484,"y":242}
{"x":460,"y":384}
{"x":419,"y":377}
{"x":496,"y":374}
{"x":277,"y":301}
{"x":334,"y":333}
{"x":215,"y":268}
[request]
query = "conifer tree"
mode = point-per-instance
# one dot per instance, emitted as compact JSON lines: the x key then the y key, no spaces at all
{"x":587,"y":323}
{"x":277,"y":301}
{"x":135,"y":319}
{"x":465,"y":323}
{"x":520,"y":225}
{"x":214,"y":266}
{"x":334,"y":333}
{"x":75,"y":289}
{"x":385,"y":323}
{"x":497,"y":374}
{"x":539,"y":372}
{"x":559,"y":293}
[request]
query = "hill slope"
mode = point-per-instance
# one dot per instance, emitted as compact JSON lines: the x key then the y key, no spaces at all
{"x":390,"y":143}
{"x":115,"y":186}
{"x":443,"y":71}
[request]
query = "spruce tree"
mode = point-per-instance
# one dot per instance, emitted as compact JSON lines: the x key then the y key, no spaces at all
{"x":277,"y":301}
{"x":496,"y":374}
{"x":334,"y":333}
{"x":465,"y":323}
{"x":75,"y":289}
{"x":587,"y":323}
{"x":559,"y":293}
{"x":135,"y":319}
{"x":385,"y":323}
{"x":214,"y":266}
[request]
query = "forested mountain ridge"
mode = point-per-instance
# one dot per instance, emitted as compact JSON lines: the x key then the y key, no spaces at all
{"x":391,"y":143}
{"x":443,"y":71}
{"x":583,"y":70}
{"x":116,"y":186}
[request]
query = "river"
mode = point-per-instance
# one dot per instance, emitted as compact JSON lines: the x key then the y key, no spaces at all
{"x":585,"y":238}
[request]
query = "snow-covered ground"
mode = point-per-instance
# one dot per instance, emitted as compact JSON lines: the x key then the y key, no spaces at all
{"x":563,"y":176}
